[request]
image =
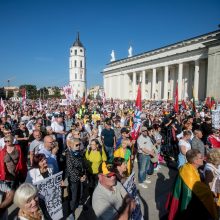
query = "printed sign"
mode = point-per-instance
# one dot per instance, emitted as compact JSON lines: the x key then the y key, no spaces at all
{"x":64,"y":102}
{"x":49,"y":190}
{"x":216,"y":119}
{"x":131,"y":188}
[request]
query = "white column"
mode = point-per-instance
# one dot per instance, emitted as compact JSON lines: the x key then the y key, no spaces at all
{"x":143,"y":84}
{"x":171,"y":83}
{"x":186,"y":82}
{"x":180,"y":77}
{"x":153,"y":83}
{"x":166,"y":72}
{"x":104,"y":83}
{"x":134,"y":85}
{"x":110,"y":87}
{"x":196,"y":80}
{"x":121,"y":77}
{"x":122,"y":90}
{"x":126,"y":83}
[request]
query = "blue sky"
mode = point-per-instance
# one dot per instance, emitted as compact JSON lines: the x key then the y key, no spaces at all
{"x":35,"y":35}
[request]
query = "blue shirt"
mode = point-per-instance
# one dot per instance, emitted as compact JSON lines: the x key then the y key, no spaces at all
{"x":51,"y":159}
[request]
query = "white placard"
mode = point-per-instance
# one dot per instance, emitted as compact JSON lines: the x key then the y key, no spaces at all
{"x":216,"y":119}
{"x":49,"y":190}
{"x":131,"y":188}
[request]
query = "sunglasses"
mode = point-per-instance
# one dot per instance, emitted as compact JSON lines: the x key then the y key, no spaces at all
{"x":7,"y":141}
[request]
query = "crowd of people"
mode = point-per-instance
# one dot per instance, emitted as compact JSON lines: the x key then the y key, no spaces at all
{"x":91,"y":143}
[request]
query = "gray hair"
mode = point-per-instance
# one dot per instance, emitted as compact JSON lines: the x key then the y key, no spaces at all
{"x":24,"y":192}
{"x":48,"y":128}
{"x":74,"y":140}
{"x":10,"y":137}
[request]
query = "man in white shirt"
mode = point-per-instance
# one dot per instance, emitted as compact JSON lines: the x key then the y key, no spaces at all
{"x":145,"y":151}
{"x":110,"y":200}
{"x":25,"y":118}
{"x":57,"y":125}
{"x":58,"y":129}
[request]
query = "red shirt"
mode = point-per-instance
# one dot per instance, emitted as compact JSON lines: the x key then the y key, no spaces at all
{"x":21,"y":167}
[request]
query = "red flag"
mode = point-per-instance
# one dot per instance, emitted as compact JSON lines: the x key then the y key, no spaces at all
{"x":194,"y":104}
{"x":138,"y":99}
{"x":24,"y":96}
{"x":183,"y":104}
{"x":212,"y":101}
{"x":176,"y":105}
{"x":208,"y":102}
{"x":137,"y":116}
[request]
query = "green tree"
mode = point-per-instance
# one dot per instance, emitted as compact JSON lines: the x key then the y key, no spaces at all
{"x":31,"y":91}
{"x":43,"y":93}
{"x":2,"y":93}
{"x":56,"y":92}
{"x":10,"y":94}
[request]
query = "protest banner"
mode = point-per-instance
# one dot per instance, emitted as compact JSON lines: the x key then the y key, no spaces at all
{"x":49,"y":190}
{"x":64,"y":102}
{"x":216,"y":119}
{"x":131,"y":188}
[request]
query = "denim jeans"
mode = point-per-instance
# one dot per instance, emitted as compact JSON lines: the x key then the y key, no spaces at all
{"x":143,"y":165}
{"x":74,"y":195}
{"x":109,"y":152}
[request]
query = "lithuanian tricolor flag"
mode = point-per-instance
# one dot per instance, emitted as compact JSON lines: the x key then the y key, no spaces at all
{"x":191,"y":198}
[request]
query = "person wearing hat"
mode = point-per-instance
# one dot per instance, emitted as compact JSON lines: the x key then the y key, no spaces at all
{"x":110,"y":199}
{"x":145,"y":152}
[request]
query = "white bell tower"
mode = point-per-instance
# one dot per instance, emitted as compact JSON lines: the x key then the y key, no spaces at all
{"x":77,"y":66}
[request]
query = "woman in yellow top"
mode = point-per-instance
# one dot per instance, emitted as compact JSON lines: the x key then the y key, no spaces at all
{"x":124,"y":152}
{"x":95,"y":155}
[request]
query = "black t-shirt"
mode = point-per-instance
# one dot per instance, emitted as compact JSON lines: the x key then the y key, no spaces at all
{"x":21,"y":134}
{"x":45,"y":174}
{"x":108,"y":137}
{"x":197,"y":123}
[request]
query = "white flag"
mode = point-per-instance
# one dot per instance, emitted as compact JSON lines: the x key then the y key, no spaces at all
{"x":2,"y":107}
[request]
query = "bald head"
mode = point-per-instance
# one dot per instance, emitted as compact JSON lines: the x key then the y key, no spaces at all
{"x":48,"y":142}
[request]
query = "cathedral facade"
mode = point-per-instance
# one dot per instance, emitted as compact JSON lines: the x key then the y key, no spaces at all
{"x":193,"y":63}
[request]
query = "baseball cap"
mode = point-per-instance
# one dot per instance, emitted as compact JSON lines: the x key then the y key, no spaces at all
{"x":106,"y":169}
